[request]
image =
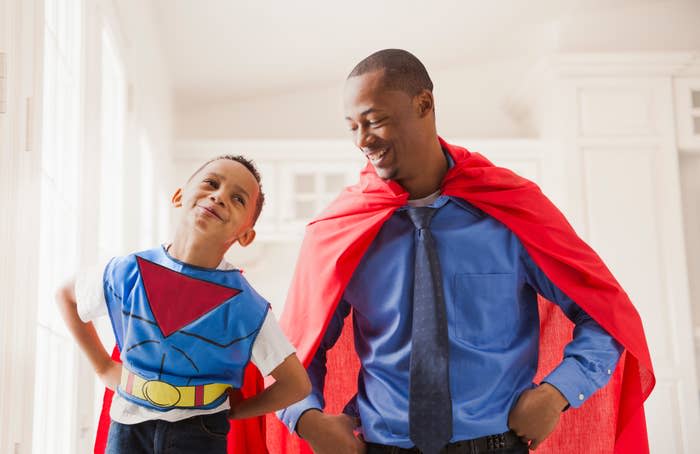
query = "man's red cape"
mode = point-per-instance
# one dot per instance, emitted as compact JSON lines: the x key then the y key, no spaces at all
{"x":247,"y":436}
{"x":611,"y":421}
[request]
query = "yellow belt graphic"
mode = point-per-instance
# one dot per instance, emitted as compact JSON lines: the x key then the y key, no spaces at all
{"x":165,"y":395}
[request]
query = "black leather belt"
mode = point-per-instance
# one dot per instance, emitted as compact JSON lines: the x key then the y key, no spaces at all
{"x":482,"y":444}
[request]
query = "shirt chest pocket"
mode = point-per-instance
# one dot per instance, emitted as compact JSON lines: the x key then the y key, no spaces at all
{"x":486,"y":309}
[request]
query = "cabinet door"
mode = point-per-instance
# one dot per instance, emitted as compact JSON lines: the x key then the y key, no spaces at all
{"x":624,"y":189}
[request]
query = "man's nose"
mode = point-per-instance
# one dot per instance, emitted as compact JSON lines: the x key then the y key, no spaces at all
{"x":364,"y":138}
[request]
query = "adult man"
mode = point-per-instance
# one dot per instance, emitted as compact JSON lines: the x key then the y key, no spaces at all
{"x":441,"y":256}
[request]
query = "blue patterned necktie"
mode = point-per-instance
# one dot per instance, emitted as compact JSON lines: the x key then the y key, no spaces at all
{"x":430,"y":406}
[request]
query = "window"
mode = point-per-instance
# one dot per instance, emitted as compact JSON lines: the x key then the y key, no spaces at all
{"x":312,"y":191}
{"x":60,"y":169}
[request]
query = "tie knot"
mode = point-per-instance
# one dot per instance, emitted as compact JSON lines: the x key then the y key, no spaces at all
{"x":421,"y":216}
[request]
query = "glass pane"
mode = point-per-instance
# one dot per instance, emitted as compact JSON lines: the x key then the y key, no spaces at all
{"x":696,"y":99}
{"x":333,"y":182}
{"x":304,"y":209}
{"x":54,"y":386}
{"x":304,"y":183}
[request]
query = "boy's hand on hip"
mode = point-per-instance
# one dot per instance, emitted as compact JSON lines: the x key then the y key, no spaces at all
{"x":111,"y":374}
{"x":330,"y":434}
{"x":536,"y":414}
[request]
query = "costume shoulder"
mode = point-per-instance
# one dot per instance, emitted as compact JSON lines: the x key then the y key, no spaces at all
{"x":254,"y":298}
{"x":120,"y":274}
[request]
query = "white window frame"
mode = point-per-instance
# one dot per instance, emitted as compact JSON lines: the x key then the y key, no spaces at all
{"x":686,"y":114}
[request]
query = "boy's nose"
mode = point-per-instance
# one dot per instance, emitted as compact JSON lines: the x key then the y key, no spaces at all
{"x":214,"y":197}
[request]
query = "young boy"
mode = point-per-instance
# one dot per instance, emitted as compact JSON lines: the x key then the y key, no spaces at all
{"x":186,"y":323}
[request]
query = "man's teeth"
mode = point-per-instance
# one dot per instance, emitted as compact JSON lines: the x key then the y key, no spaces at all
{"x":377,"y":155}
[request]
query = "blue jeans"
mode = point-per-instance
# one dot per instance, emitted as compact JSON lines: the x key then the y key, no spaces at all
{"x":198,"y":434}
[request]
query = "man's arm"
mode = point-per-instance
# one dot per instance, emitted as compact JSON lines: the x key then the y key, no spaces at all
{"x":107,"y":370}
{"x":589,"y":360}
{"x":325,"y":433}
{"x":591,"y":356}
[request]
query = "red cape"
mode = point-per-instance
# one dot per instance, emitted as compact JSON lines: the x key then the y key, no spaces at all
{"x":246,"y":436}
{"x":611,"y":421}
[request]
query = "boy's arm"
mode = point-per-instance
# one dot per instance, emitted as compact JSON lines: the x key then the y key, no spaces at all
{"x":107,"y":370}
{"x":291,"y":385}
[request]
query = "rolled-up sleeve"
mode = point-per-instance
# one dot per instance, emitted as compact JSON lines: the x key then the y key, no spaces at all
{"x":591,"y":356}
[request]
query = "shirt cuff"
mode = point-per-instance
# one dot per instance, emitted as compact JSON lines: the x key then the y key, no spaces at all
{"x":290,"y":415}
{"x":572,"y":382}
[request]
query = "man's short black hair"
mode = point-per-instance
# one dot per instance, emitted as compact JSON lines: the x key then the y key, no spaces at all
{"x":248,"y":164}
{"x":402,"y":70}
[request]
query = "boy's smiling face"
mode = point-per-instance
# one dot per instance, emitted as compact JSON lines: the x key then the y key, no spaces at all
{"x":220,"y":202}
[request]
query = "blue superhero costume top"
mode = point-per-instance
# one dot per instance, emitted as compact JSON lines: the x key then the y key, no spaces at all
{"x":185,"y":333}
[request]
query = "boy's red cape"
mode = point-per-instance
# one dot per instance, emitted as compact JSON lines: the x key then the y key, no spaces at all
{"x":611,"y":421}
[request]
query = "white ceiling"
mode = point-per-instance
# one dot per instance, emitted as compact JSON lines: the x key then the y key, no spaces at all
{"x":243,"y":49}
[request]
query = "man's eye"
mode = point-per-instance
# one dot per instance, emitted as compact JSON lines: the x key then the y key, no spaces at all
{"x":375,"y":123}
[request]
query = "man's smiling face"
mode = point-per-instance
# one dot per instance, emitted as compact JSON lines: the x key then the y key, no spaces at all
{"x":384,"y":123}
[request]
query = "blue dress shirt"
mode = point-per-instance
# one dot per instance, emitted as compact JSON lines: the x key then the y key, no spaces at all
{"x":491,"y":287}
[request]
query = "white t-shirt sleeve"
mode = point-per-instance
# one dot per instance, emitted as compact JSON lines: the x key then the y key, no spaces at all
{"x":89,"y":293}
{"x":271,"y":347}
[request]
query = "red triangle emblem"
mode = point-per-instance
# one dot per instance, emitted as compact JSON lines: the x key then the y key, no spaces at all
{"x":177,"y":300}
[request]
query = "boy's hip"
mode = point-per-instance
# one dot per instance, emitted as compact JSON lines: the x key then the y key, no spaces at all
{"x":201,"y":433}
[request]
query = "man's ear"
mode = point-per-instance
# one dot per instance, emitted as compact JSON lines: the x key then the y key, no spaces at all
{"x":424,"y":103}
{"x":246,"y":238}
{"x":177,"y":198}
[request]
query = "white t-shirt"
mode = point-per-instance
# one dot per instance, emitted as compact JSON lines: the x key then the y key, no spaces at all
{"x":270,"y":349}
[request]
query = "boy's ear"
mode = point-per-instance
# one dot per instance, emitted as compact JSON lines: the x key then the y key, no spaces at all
{"x":246,"y":238}
{"x":177,"y":198}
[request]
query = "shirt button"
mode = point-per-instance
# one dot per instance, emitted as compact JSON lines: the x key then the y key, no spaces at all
{"x":609,"y":372}
{"x":291,"y":425}
{"x":580,"y":397}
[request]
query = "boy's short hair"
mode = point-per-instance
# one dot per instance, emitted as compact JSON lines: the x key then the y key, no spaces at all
{"x":248,"y":164}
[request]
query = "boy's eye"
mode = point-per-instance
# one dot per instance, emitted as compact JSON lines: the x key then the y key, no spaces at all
{"x":239,"y":199}
{"x":211,"y":183}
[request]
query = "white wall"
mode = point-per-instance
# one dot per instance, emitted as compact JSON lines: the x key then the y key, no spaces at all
{"x":469,"y":100}
{"x":471,"y":96}
{"x":631,"y":26}
{"x":150,"y":108}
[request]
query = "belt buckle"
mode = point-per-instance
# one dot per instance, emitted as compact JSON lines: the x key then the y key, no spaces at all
{"x":494,"y":442}
{"x":161,"y":394}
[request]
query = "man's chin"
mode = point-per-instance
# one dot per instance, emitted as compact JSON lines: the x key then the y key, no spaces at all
{"x":386,"y":174}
